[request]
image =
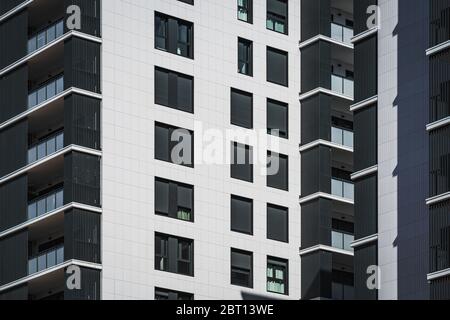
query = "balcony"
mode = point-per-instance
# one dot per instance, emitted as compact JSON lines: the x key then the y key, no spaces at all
{"x":46,"y":260}
{"x":45,"y":204}
{"x":342,"y":86}
{"x":45,"y":36}
{"x":343,"y":189}
{"x":46,"y":91}
{"x":342,"y":137}
{"x":341,"y":33}
{"x":46,"y":147}
{"x":343,"y":241}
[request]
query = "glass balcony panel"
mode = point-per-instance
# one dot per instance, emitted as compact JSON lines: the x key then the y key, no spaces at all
{"x":60,"y":85}
{"x":336,"y":32}
{"x":51,"y":34}
{"x":60,"y":255}
{"x":32,"y":45}
{"x":41,"y":206}
{"x":336,"y":84}
{"x":41,"y":151}
{"x":32,"y":155}
{"x":337,"y":188}
{"x":32,"y":211}
{"x":51,"y":146}
{"x":51,"y":259}
{"x":336,"y":135}
{"x":42,"y":262}
{"x":59,"y":199}
{"x":348,"y":239}
{"x":349,"y":190}
{"x":46,"y":204}
{"x":32,"y":99}
{"x":46,"y":36}
{"x":59,"y":29}
{"x":41,"y":39}
{"x":51,"y":202}
{"x":32,"y":266}
{"x":348,"y":138}
{"x":348,"y":35}
{"x":46,"y":260}
{"x":348,"y":87}
{"x":337,"y":240}
{"x":51,"y":90}
{"x":60,"y":141}
{"x":41,"y":95}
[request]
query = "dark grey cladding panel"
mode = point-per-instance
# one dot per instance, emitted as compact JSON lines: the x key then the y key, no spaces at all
{"x":360,"y":13}
{"x":316,"y":66}
{"x":13,"y":147}
{"x":440,"y":289}
{"x":82,"y":64}
{"x":13,"y":203}
{"x":440,"y":237}
{"x":316,"y":170}
{"x":439,"y":21}
{"x":365,"y":257}
{"x":316,"y":275}
{"x":19,"y":293}
{"x":13,"y":93}
{"x":440,"y":86}
{"x":365,"y":123}
{"x":90,"y":286}
{"x":366,"y":68}
{"x":316,"y":118}
{"x":13,"y":38}
{"x":8,"y":5}
{"x":82,"y":121}
{"x":366,"y":207}
{"x":315,"y":18}
{"x":82,"y":179}
{"x":82,"y":236}
{"x":316,"y":223}
{"x":90,"y":15}
{"x":440,"y":161}
{"x":13,"y":257}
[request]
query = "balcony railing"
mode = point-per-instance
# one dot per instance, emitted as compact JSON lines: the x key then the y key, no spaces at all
{"x":46,"y":36}
{"x":45,"y":204}
{"x":342,"y":240}
{"x":343,"y":189}
{"x":46,"y":147}
{"x":341,"y":33}
{"x":342,"y":85}
{"x":46,"y":92}
{"x":46,"y":260}
{"x":342,"y":137}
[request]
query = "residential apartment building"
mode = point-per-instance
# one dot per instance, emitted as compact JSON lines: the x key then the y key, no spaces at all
{"x":97,"y":201}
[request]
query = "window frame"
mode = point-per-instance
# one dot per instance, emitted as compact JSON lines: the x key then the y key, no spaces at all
{"x":281,"y":263}
{"x":286,"y":227}
{"x":277,"y":17}
{"x":239,"y":269}
{"x":232,"y":107}
{"x":249,"y":10}
{"x":176,"y":185}
{"x":234,"y":146}
{"x":248,"y":44}
{"x":249,"y":201}
{"x":172,"y":144}
{"x":166,"y":238}
{"x":280,"y":156}
{"x":281,"y":52}
{"x":282,"y":104}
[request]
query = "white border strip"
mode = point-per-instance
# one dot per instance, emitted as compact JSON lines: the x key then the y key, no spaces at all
{"x":438,"y":199}
{"x":363,"y":241}
{"x":61,"y":266}
{"x":52,"y":156}
{"x":65,"y":36}
{"x":63,"y":94}
{"x":326,"y":196}
{"x":438,"y":124}
{"x":438,"y":274}
{"x":364,"y":172}
{"x":324,"y":38}
{"x":322,"y":247}
{"x":438,"y":48}
{"x":324,"y":91}
{"x":324,"y":143}
{"x":365,"y":34}
{"x":29,"y":223}
{"x":364,"y":103}
{"x":14,"y":10}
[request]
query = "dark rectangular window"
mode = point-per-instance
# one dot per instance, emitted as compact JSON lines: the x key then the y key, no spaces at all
{"x":242,"y":162}
{"x":277,"y":223}
{"x":277,"y":66}
{"x":174,"y":199}
{"x":245,"y":10}
{"x":174,"y":254}
{"x":241,"y":215}
{"x":166,"y":294}
{"x":277,"y":275}
{"x":277,"y":118}
{"x":277,"y":15}
{"x":188,"y":1}
{"x":277,"y":171}
{"x":245,"y":57}
{"x":242,"y":268}
{"x":174,"y":145}
{"x":241,"y":108}
{"x":174,"y":35}
{"x":174,"y":90}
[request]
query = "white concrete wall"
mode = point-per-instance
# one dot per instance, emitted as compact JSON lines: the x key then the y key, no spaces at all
{"x":129,"y":168}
